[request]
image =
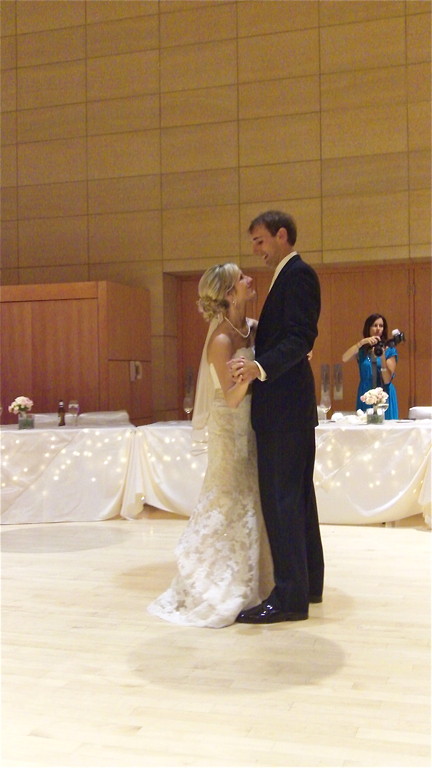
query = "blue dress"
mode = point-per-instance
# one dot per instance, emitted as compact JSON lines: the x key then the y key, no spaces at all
{"x":366,"y":365}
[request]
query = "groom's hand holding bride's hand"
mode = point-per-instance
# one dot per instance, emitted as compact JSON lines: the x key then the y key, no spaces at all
{"x":243,"y":369}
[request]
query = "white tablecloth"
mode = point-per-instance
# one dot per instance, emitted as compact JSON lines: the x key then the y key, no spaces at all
{"x":63,"y":474}
{"x":363,"y":473}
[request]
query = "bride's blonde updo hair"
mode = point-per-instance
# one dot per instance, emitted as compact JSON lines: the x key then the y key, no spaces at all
{"x":213,"y":287}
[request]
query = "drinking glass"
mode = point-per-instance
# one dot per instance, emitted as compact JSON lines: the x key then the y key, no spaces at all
{"x":188,"y":405}
{"x":325,"y":403}
{"x":73,"y":408}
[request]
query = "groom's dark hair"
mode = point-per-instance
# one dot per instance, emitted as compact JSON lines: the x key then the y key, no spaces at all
{"x":273,"y":221}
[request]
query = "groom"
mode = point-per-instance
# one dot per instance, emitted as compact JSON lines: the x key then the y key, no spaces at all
{"x":284,"y":416}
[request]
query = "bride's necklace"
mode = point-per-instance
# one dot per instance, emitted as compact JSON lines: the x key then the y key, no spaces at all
{"x":243,"y":335}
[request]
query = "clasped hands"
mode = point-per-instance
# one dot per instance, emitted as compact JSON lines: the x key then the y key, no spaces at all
{"x":242,"y":369}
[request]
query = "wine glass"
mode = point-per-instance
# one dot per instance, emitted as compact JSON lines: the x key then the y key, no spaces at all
{"x":188,"y":405}
{"x":73,"y":408}
{"x":325,"y":403}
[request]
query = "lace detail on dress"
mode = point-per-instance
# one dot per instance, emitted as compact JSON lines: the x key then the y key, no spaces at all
{"x":223,"y":557}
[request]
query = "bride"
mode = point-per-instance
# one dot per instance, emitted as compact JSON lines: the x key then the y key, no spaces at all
{"x":223,"y":557}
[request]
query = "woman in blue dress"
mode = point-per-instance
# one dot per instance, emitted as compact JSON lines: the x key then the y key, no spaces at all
{"x":376,"y":370}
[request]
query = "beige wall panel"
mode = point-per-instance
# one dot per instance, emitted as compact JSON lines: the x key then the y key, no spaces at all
{"x":365,"y":131}
{"x":127,"y":74}
{"x":264,"y":18}
{"x":372,"y":220}
{"x":73,"y":273}
{"x":50,"y":84}
{"x":202,"y":105}
{"x":183,"y":190}
{"x":347,"y":90}
{"x":9,"y":203}
{"x":198,"y":25}
{"x":137,"y":113}
{"x":9,"y":166}
{"x":124,"y":154}
{"x":7,"y":17}
{"x":45,"y":200}
{"x":52,"y":242}
{"x":377,"y":253}
{"x":51,"y":46}
{"x":196,"y":264}
{"x":419,"y":82}
{"x":8,"y":128}
{"x":417,"y":6}
{"x":419,"y":38}
{"x":122,"y":36}
{"x":420,"y":169}
{"x":120,"y":237}
{"x":45,"y":162}
{"x":370,"y":173}
{"x":35,"y":16}
{"x":51,"y":123}
{"x":9,"y":276}
{"x":279,"y":139}
{"x":279,"y":97}
{"x":345,"y":11}
{"x":198,"y":66}
{"x":282,"y":181}
{"x":8,"y":52}
{"x":8,"y":90}
{"x":420,"y":251}
{"x":206,"y":232}
{"x":169,"y":6}
{"x":287,"y":54}
{"x":419,"y":125}
{"x":100,"y":10}
{"x":420,"y":216}
{"x":134,"y":193}
{"x":199,"y":147}
{"x":9,"y":244}
{"x":307,"y":214}
{"x":378,"y":43}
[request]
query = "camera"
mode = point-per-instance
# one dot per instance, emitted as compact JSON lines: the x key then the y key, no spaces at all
{"x":395,"y":339}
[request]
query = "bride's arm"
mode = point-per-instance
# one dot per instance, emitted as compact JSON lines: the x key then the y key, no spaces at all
{"x":220,"y":351}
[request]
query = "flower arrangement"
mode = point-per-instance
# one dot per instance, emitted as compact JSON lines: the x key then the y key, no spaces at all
{"x":21,"y":405}
{"x":374,"y":397}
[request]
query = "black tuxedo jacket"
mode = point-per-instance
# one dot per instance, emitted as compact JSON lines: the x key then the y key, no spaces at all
{"x":287,"y":329}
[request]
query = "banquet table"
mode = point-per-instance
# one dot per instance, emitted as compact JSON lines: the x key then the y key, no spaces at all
{"x":64,"y":474}
{"x":364,"y":474}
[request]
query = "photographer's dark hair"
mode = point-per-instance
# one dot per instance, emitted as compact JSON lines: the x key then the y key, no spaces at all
{"x":370,"y":321}
{"x":273,"y":221}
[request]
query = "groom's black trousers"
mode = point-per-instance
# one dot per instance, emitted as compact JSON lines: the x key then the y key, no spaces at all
{"x":285,"y":469}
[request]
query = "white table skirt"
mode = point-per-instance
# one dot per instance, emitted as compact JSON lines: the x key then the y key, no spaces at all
{"x":363,"y":474}
{"x":64,"y":474}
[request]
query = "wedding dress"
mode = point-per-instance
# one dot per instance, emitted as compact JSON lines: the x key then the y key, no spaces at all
{"x":223,"y":557}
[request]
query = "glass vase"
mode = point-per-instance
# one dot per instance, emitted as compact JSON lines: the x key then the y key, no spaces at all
{"x":375,"y":415}
{"x":25,"y":420}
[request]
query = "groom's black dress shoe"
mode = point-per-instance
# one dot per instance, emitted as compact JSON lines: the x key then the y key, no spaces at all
{"x":315,"y":598}
{"x":266,"y":613}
